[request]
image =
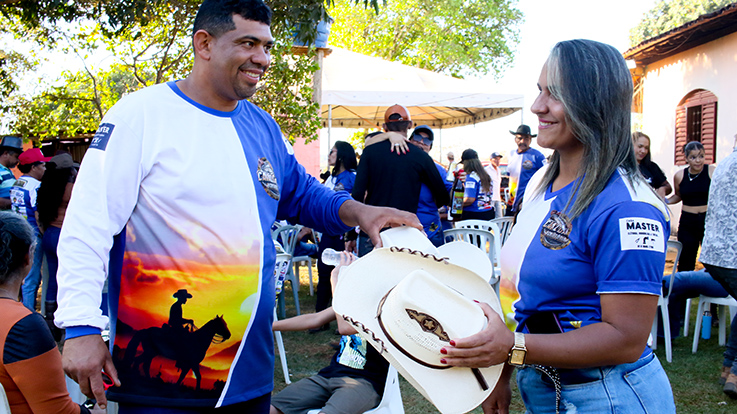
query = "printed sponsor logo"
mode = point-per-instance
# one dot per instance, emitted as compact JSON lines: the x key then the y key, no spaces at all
{"x":527,"y":165}
{"x":639,"y":233}
{"x":99,"y":141}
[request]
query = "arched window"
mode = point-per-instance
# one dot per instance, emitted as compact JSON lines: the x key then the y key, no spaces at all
{"x":696,"y":120}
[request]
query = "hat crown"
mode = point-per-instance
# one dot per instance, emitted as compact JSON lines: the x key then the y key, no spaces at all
{"x":10,"y":141}
{"x":421,"y":315}
{"x":523,"y":130}
{"x":399,"y":110}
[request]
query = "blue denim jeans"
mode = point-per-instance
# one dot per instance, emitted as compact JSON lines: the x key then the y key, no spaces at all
{"x":728,"y":278}
{"x":686,"y":285}
{"x":638,"y":387}
{"x":33,"y":279}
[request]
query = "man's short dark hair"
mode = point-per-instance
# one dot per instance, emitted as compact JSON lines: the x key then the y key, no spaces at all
{"x":216,"y":16}
{"x":26,"y":168}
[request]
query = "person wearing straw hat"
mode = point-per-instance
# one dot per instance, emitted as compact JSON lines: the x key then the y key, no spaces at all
{"x":586,"y":255}
{"x":523,"y":163}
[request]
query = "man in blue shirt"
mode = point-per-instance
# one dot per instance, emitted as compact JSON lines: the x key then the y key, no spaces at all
{"x":523,"y":163}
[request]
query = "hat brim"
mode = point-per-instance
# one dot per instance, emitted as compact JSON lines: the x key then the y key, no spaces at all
{"x":518,"y":133}
{"x":358,"y":293}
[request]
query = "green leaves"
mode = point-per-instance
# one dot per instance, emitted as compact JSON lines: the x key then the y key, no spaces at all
{"x":455,"y":37}
{"x":669,"y":14}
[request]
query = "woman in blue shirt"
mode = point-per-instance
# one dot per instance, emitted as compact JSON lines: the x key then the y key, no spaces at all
{"x":477,"y":203}
{"x":342,"y":158}
{"x":586,"y":255}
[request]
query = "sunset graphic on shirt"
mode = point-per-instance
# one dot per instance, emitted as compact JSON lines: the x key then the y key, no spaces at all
{"x":223,"y":281}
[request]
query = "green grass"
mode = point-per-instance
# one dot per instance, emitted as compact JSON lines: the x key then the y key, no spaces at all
{"x":694,"y":377}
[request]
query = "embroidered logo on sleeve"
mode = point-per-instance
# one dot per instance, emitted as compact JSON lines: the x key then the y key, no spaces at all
{"x":102,"y":136}
{"x":638,"y":233}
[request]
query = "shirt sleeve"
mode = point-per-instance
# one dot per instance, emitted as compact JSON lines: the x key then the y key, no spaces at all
{"x":103,"y":198}
{"x":33,"y":362}
{"x":436,"y":184}
{"x":628,"y":244}
{"x":362,"y":176}
{"x":658,"y":177}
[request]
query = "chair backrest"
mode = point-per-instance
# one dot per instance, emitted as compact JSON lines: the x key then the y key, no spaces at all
{"x":473,"y":224}
{"x":483,"y":239}
{"x":505,"y":228}
{"x":677,"y":247}
{"x":287,"y":236}
{"x":4,"y":405}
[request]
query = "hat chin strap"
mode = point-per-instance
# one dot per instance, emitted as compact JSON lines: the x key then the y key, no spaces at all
{"x":476,"y":372}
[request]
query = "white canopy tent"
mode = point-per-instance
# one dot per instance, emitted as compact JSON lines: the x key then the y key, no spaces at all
{"x":355,"y":90}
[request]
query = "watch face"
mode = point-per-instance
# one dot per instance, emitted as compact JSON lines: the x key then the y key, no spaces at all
{"x":517,"y":357}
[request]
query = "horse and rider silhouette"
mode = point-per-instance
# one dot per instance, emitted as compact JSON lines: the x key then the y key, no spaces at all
{"x":178,"y":340}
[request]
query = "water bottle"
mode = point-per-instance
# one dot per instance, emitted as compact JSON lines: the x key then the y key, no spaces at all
{"x":331,"y":257}
{"x":706,"y":325}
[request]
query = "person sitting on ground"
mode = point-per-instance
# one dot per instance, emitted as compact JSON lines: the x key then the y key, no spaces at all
{"x":353,"y":382}
{"x":31,"y":371}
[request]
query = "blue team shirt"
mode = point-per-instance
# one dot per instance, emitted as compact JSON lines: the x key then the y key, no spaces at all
{"x":23,"y":198}
{"x":521,"y":168}
{"x":617,"y":245}
{"x":427,"y":210}
{"x":473,"y":189}
{"x":6,"y":181}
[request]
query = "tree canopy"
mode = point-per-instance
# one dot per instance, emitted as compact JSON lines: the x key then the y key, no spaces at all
{"x":455,"y":37}
{"x":669,"y":14}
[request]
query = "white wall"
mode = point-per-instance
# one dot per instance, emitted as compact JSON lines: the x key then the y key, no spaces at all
{"x":712,"y":66}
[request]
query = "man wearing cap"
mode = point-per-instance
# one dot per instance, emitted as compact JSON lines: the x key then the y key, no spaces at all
{"x":391,"y":179}
{"x":10,"y":148}
{"x":141,"y":203}
{"x":32,"y":164}
{"x":523,"y":163}
{"x":496,"y":182}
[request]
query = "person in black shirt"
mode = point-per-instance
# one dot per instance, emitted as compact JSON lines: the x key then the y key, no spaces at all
{"x":653,"y":174}
{"x":392,"y":179}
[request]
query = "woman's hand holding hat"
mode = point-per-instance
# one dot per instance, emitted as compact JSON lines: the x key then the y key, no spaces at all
{"x":489,"y":347}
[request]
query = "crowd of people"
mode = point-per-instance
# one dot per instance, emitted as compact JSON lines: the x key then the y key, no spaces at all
{"x":139,"y":221}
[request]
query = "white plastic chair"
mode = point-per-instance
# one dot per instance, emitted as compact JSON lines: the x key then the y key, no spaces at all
{"x":283,"y":262}
{"x":505,"y":225}
{"x":297,"y":260}
{"x":663,"y":301}
{"x":391,"y":402}
{"x":287,"y":237}
{"x":494,"y":228}
{"x":4,"y":405}
{"x":704,"y":303}
{"x":484,"y":240}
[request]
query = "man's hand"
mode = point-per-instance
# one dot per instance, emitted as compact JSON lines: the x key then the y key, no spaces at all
{"x":84,"y":359}
{"x":373,"y":219}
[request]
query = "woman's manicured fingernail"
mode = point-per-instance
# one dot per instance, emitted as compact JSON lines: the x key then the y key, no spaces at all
{"x":443,"y":351}
{"x":442,"y":361}
{"x":452,"y":342}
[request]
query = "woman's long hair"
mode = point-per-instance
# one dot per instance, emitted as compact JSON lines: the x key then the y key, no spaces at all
{"x":51,"y":193}
{"x":593,"y":83}
{"x":636,"y":136}
{"x":474,"y":165}
{"x":16,"y":239}
{"x":345,"y":156}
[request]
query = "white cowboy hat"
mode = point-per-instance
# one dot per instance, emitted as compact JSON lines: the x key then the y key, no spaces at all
{"x":408,"y":304}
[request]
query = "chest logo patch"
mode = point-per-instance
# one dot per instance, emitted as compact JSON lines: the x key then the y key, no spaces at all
{"x":556,"y":230}
{"x":102,"y":136}
{"x":639,"y":233}
{"x":267,"y":178}
{"x":527,"y":165}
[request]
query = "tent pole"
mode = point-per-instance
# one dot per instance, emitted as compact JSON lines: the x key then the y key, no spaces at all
{"x":330,"y":123}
